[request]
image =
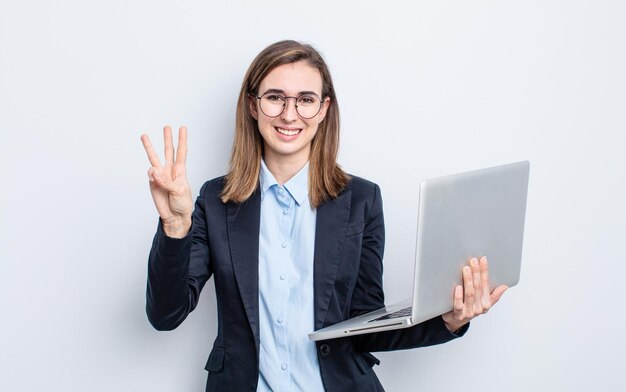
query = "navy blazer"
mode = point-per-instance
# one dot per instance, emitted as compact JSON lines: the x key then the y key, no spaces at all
{"x":224,"y":243}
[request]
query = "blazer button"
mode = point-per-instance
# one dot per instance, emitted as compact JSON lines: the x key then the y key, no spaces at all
{"x":325,"y":349}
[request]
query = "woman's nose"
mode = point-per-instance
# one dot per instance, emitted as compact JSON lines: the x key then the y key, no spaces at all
{"x":290,"y":112}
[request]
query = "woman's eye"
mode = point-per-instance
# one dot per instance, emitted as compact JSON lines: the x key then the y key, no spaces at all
{"x":306,"y":100}
{"x":274,"y":98}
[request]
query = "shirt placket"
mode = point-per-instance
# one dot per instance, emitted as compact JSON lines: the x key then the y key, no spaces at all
{"x":286,"y":218}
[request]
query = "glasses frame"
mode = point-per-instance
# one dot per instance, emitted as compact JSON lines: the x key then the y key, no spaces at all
{"x":285,"y":97}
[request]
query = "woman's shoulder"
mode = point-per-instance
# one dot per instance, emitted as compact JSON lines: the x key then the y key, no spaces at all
{"x":360,"y":185}
{"x":364,"y":195}
{"x":213,"y":187}
{"x":363,"y":192}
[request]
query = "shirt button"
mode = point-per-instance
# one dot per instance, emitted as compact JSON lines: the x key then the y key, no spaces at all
{"x":280,"y":190}
{"x":284,"y":244}
{"x":285,"y":211}
{"x":283,"y":366}
{"x":280,"y":320}
{"x":283,"y":276}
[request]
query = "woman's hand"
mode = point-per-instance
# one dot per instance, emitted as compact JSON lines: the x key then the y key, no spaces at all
{"x":473,"y":298}
{"x":168,"y":183}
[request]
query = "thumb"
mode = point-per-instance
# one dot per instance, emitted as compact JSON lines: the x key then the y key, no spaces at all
{"x":497,"y":293}
{"x":159,"y":178}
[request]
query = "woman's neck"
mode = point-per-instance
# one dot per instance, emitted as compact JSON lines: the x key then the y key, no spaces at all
{"x":283,"y":168}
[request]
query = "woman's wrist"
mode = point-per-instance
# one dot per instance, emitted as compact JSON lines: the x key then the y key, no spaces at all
{"x":177,"y":226}
{"x":453,"y":327}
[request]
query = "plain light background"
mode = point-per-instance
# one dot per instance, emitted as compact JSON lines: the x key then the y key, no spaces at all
{"x":426,"y":88}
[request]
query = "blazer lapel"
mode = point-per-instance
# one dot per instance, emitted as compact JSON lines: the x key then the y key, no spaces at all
{"x":243,"y":238}
{"x":330,"y":233}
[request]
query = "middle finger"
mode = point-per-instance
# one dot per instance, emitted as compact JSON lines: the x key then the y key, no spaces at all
{"x":169,"y":144}
{"x":468,"y":288}
{"x":478,"y":290}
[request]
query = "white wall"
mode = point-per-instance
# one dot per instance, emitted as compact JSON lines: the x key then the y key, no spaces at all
{"x":426,"y":88}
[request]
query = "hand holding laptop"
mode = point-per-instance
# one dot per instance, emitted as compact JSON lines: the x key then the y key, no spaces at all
{"x":473,"y":298}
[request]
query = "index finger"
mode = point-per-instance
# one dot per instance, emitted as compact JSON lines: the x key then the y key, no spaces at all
{"x":181,"y":150}
{"x":152,"y":156}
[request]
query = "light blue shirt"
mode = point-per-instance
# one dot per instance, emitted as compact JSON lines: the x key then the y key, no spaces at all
{"x":288,"y":359}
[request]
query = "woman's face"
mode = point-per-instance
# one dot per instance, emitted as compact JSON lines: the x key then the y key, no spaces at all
{"x":288,"y":136}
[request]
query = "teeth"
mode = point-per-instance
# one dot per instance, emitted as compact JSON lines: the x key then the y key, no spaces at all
{"x":288,"y":132}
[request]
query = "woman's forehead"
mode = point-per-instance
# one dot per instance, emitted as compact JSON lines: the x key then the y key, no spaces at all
{"x":293,"y":79}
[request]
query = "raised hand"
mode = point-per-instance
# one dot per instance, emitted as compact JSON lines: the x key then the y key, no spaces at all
{"x":473,"y":298}
{"x":168,"y":183}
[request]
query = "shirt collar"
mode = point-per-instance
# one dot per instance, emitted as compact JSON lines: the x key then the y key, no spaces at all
{"x":266,"y":178}
{"x":297,"y":186}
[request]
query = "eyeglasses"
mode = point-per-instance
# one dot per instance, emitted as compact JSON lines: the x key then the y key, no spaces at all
{"x":273,"y":104}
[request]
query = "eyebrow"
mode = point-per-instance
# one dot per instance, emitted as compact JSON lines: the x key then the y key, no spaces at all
{"x":278,"y":91}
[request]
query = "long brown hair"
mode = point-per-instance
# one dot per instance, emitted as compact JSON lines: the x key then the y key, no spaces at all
{"x":326,"y":178}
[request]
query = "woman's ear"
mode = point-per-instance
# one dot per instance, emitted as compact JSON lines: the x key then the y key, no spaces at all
{"x":252,"y":105}
{"x":324,"y":110}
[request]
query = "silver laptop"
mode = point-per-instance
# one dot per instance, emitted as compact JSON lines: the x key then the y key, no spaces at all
{"x":472,"y":214}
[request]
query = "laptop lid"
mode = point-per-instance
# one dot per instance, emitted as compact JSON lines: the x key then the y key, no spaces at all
{"x":470,"y":214}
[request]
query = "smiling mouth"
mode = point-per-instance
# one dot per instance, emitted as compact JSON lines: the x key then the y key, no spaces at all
{"x":288,"y":132}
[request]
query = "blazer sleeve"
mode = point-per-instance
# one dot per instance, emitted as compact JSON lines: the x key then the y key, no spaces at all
{"x":368,"y":294}
{"x":177,"y":271}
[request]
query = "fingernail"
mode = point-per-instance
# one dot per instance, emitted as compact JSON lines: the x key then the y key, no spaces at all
{"x":473,"y":261}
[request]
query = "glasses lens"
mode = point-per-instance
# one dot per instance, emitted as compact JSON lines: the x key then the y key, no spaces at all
{"x":308,"y":105}
{"x":272,"y":104}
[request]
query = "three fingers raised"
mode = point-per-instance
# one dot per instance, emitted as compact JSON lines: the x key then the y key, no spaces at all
{"x":181,"y":152}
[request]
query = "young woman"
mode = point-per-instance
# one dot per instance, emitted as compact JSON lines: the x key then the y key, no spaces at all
{"x":293,"y":242}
